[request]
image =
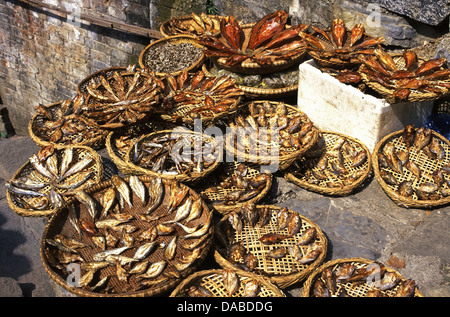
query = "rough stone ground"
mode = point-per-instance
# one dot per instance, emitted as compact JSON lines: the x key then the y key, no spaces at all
{"x":365,"y":224}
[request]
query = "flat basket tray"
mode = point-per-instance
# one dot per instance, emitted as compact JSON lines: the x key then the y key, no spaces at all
{"x":182,"y":177}
{"x":351,"y":289}
{"x":134,"y":286}
{"x":41,"y":135}
{"x":415,"y":95}
{"x":176,"y":39}
{"x":252,"y":154}
{"x":249,"y":67}
{"x":302,"y":172}
{"x":282,"y":272}
{"x":215,"y":197}
{"x":17,"y":202}
{"x":212,"y":281}
{"x":426,"y":164}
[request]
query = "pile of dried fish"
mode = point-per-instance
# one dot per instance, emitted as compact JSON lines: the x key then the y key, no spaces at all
{"x":166,"y":57}
{"x":424,"y":183}
{"x":125,"y":233}
{"x":192,"y":25}
{"x":62,"y":123}
{"x":269,"y":41}
{"x":174,"y":153}
{"x":345,"y":278}
{"x":403,"y":76}
{"x":338,"y":161}
{"x":54,"y":174}
{"x":197,"y":95}
{"x":269,"y":128}
{"x":122,"y":98}
{"x":236,"y":236}
{"x":241,"y":186}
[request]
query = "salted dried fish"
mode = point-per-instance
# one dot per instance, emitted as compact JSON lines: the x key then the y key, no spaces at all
{"x":272,"y":238}
{"x":87,"y":201}
{"x":295,"y":224}
{"x":282,"y":218}
{"x":22,"y":191}
{"x":203,"y":229}
{"x":102,"y":255}
{"x":276,"y":253}
{"x":307,"y":236}
{"x":230,"y":281}
{"x":77,"y":167}
{"x":144,"y":250}
{"x":99,"y":241}
{"x":56,"y":198}
{"x":389,"y":280}
{"x":320,"y":289}
{"x":34,"y":160}
{"x":156,"y":191}
{"x":186,"y":228}
{"x":186,"y":262}
{"x":413,"y":168}
{"x":405,"y":188}
{"x":251,"y":288}
{"x":70,"y":242}
{"x":139,"y":268}
{"x":329,"y":279}
{"x":182,"y":211}
{"x":196,"y":210}
{"x":73,"y":219}
{"x":344,"y":271}
{"x":138,"y":187}
{"x":122,"y":187}
{"x":94,"y":265}
{"x":164,"y":230}
{"x":108,"y":223}
{"x":171,"y":249}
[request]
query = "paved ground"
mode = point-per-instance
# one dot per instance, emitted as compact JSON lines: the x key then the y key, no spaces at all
{"x":365,"y":224}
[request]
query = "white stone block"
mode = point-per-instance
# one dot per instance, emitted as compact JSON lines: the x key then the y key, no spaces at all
{"x":334,"y":106}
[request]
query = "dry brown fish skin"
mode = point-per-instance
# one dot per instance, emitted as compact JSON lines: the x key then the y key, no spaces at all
{"x":307,"y":236}
{"x":405,"y":188}
{"x":389,"y":280}
{"x":295,"y":224}
{"x":138,"y":187}
{"x":251,"y":288}
{"x":320,"y":289}
{"x":329,"y":279}
{"x":186,"y":262}
{"x":276,"y":253}
{"x":230,"y":281}
{"x":87,"y":201}
{"x":282,"y":218}
{"x":122,"y":187}
{"x":344,"y":271}
{"x":156,"y":192}
{"x":196,"y":210}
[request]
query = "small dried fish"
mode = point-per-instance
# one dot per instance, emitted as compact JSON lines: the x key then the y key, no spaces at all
{"x":87,"y":201}
{"x":203,"y":229}
{"x":251,"y":288}
{"x":182,"y":211}
{"x":122,"y":187}
{"x":186,"y":262}
{"x":78,"y":166}
{"x":171,"y":249}
{"x":102,"y":255}
{"x":307,"y":236}
{"x":230,"y":281}
{"x":276,"y":253}
{"x":196,"y":210}
{"x":138,"y":187}
{"x":144,"y":250}
{"x":389,"y":280}
{"x":272,"y":238}
{"x":139,"y":268}
{"x":156,"y":191}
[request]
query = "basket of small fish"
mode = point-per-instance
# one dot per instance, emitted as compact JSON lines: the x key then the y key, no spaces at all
{"x":233,"y":184}
{"x":193,"y":24}
{"x":57,"y":124}
{"x":191,"y":96}
{"x":122,"y":98}
{"x":226,"y":283}
{"x":50,"y":177}
{"x":336,"y":165}
{"x":132,"y":236}
{"x":178,"y":154}
{"x":358,"y":277}
{"x":270,"y":133}
{"x":267,"y":46}
{"x":267,"y":240}
{"x":413,"y":167}
{"x":119,"y":141}
{"x":338,"y":47}
{"x":172,"y":55}
{"x":405,"y":77}
{"x":262,"y":86}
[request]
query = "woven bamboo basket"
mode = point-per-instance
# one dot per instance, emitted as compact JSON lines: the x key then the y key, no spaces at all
{"x":263,"y":93}
{"x":128,"y":135}
{"x":188,"y":26}
{"x":175,"y":40}
{"x":249,"y":67}
{"x":352,"y":289}
{"x":18,"y":202}
{"x":215,"y":197}
{"x":282,"y":272}
{"x":133,"y":286}
{"x":191,"y":177}
{"x":94,"y":78}
{"x":332,"y":184}
{"x":93,"y":136}
{"x":191,"y":111}
{"x":212,"y":281}
{"x":426,"y":164}
{"x":286,"y":156}
{"x":415,"y":95}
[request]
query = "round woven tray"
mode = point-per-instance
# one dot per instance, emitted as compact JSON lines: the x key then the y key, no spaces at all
{"x":300,"y":173}
{"x":352,"y":289}
{"x":282,"y":272}
{"x":426,"y":164}
{"x":249,"y":67}
{"x":283,"y":160}
{"x":126,"y":137}
{"x":195,"y":109}
{"x":41,"y":135}
{"x":16,"y":201}
{"x":189,"y":26}
{"x":94,"y":78}
{"x":212,"y":280}
{"x":415,"y":95}
{"x":191,"y":178}
{"x":263,"y":93}
{"x":134,"y":286}
{"x":215,"y":197}
{"x":177,"y":39}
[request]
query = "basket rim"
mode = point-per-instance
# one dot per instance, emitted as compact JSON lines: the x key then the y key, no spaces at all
{"x":398,"y":199}
{"x":200,"y":274}
{"x":163,"y":27}
{"x":346,"y":190}
{"x":282,"y":281}
{"x":308,"y":283}
{"x":179,"y":177}
{"x":24,"y":212}
{"x":142,"y":293}
{"x":169,"y":39}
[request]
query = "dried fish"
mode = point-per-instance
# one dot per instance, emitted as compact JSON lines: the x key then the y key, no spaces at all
{"x":88,"y":202}
{"x":144,"y":250}
{"x":122,"y":187}
{"x":138,"y":187}
{"x":102,"y":255}
{"x":171,"y":249}
{"x":230,"y":281}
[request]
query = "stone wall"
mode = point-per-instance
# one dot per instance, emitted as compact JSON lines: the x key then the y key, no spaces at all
{"x":44,"y":56}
